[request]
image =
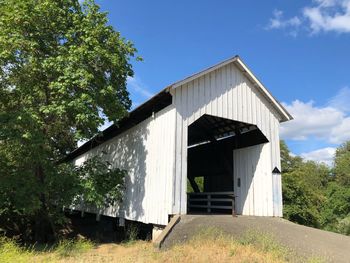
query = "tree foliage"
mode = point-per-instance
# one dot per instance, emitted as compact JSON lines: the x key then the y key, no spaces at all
{"x":336,"y":206}
{"x":62,"y":68}
{"x":316,"y":195}
{"x":100,"y":185}
{"x":288,"y":161}
{"x":303,"y":193}
{"x":342,"y":164}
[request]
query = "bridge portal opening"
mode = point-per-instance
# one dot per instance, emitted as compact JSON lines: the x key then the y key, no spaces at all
{"x":211,"y":144}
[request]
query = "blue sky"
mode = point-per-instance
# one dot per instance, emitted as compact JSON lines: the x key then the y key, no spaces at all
{"x":300,"y":50}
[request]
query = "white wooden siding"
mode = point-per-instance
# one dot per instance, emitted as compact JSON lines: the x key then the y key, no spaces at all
{"x":146,"y":151}
{"x":225,"y":92}
{"x":277,"y":195}
{"x":155,"y":151}
{"x":252,"y":165}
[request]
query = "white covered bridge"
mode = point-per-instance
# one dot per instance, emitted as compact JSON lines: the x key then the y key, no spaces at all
{"x":221,"y":125}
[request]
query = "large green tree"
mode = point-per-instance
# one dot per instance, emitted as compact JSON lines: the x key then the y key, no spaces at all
{"x":289,"y":162}
{"x":303,"y":193}
{"x":303,"y":187}
{"x":317,"y":195}
{"x":342,"y":164}
{"x":62,"y":68}
{"x":336,"y":207}
{"x":336,"y":210}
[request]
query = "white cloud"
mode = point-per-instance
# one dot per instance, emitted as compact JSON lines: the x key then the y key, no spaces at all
{"x":341,"y":101}
{"x":329,"y":15}
{"x":279,"y":22}
{"x":309,"y":121}
{"x":292,"y":154}
{"x":329,"y":123}
{"x":137,"y":86}
{"x":321,"y":15}
{"x":341,"y":133}
{"x":324,"y":155}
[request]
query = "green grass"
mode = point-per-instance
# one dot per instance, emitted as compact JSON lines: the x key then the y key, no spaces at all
{"x":70,"y":247}
{"x":11,"y":251}
{"x":265,"y":242}
{"x":259,"y":240}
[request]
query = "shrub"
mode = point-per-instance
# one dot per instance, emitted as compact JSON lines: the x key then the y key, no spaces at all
{"x":343,"y":226}
{"x":132,"y":233}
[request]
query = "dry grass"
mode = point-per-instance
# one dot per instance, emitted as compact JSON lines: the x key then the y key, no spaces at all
{"x":140,"y":251}
{"x":209,"y":245}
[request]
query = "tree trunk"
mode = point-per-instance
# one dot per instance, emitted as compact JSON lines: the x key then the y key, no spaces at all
{"x":44,"y":231}
{"x":43,"y":228}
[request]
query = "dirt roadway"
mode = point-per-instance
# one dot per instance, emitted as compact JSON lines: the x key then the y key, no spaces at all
{"x":305,"y":241}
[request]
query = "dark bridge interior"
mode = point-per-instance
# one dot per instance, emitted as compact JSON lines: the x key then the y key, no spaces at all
{"x":211,"y":141}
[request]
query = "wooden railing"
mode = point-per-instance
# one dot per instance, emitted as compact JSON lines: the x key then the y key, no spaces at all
{"x":209,"y":201}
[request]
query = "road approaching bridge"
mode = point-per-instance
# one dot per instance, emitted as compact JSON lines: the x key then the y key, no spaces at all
{"x":304,"y":241}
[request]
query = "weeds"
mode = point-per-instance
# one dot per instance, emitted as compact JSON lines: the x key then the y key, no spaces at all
{"x":213,"y":245}
{"x":10,"y":252}
{"x":132,"y":233}
{"x":209,"y":245}
{"x":70,"y":247}
{"x":264,"y":242}
{"x":267,"y":243}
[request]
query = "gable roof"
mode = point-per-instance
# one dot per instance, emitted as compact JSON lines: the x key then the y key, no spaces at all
{"x":164,"y":99}
{"x":285,"y":116}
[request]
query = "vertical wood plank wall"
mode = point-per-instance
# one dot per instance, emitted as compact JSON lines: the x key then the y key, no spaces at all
{"x":146,"y":151}
{"x":155,"y":151}
{"x":227,"y":93}
{"x":255,"y":194}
